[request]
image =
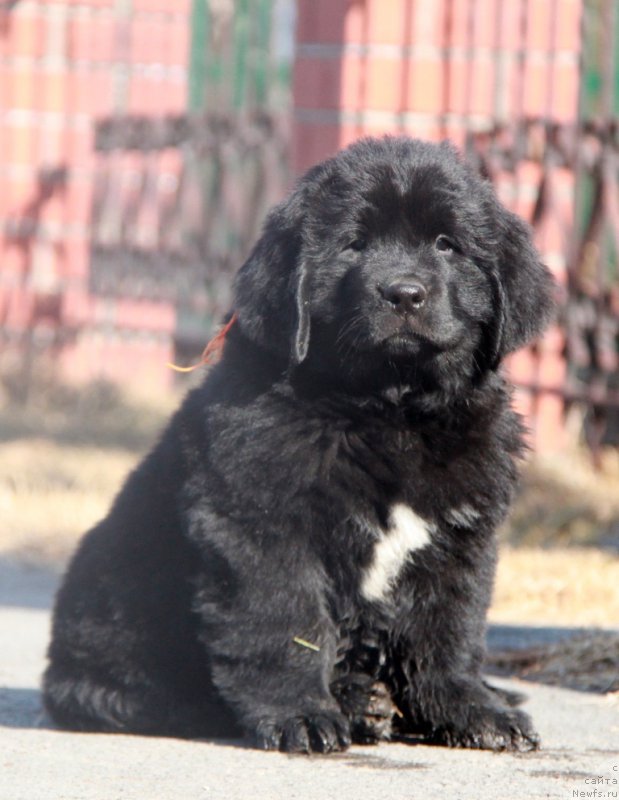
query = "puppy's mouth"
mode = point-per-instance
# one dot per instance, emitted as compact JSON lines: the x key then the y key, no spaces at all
{"x":406,"y":344}
{"x":412,"y":339}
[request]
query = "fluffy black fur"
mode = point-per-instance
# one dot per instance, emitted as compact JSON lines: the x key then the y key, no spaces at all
{"x":361,"y":375}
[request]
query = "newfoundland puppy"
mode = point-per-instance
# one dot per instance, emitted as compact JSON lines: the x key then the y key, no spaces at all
{"x":307,"y":556}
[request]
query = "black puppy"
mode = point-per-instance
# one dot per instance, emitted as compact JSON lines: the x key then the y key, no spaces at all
{"x":310,"y":547}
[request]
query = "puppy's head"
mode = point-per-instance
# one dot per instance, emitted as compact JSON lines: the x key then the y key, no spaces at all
{"x":395,"y":257}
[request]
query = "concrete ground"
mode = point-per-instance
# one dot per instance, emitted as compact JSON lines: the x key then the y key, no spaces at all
{"x":579,"y":755}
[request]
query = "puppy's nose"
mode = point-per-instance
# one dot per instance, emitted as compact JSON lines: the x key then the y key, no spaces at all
{"x":405,"y":296}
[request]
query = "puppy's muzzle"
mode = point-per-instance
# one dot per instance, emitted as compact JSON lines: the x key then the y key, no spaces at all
{"x":406,"y":297}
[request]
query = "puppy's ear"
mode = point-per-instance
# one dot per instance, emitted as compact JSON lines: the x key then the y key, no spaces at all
{"x":300,"y":344}
{"x":272,"y":293}
{"x":523,"y":289}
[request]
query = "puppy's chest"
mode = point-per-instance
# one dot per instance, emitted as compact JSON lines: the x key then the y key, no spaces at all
{"x":432,"y":512}
{"x":391,"y":547}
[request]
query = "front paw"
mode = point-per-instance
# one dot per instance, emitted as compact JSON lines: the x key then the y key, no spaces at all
{"x":369,"y":708}
{"x":313,"y":732}
{"x":491,"y":728}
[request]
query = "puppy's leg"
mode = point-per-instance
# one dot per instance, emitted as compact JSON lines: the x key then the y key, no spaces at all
{"x":78,"y":700}
{"x":439,"y":657}
{"x":368,"y":706}
{"x":359,"y":688}
{"x":271,"y":644}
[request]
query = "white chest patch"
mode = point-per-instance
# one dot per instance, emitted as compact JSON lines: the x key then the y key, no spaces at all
{"x":406,"y":533}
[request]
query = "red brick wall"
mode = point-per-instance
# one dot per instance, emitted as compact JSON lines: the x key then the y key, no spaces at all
{"x":437,"y":69}
{"x":63,"y":65}
{"x":430,"y":68}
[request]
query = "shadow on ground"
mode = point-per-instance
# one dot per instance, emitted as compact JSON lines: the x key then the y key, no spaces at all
{"x":22,"y":586}
{"x":22,"y":708}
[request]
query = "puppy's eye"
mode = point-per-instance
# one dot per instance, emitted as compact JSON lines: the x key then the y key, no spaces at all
{"x":444,"y":245}
{"x":357,"y":245}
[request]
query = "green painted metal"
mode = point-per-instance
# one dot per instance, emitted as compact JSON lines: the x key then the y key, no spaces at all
{"x":599,"y":101}
{"x":233,"y":65}
{"x":240,"y":58}
{"x":600,"y":74}
{"x":198,"y":55}
{"x":262,"y":60}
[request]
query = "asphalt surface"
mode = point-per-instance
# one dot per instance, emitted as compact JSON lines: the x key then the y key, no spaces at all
{"x":579,"y":755}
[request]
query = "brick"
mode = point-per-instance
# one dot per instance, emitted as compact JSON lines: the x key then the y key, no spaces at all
{"x":509,"y":25}
{"x":176,"y":43}
{"x":91,"y":91}
{"x":149,"y":95}
{"x":174,"y":100}
{"x":80,"y":143}
{"x":390,"y":124}
{"x":473,"y":23}
{"x":482,"y":88}
{"x":19,"y":311}
{"x":14,"y":260}
{"x":353,"y":29}
{"x":26,"y":36}
{"x":522,"y":403}
{"x":159,"y":6}
{"x":52,"y":144}
{"x":425,"y":91}
{"x":313,"y":142}
{"x":349,"y":86}
{"x":566,"y":84}
{"x":54,"y":90}
{"x":567,"y":35}
{"x":20,"y":143}
{"x":390,"y":26}
{"x":145,"y":315}
{"x":22,"y":88}
{"x":459,"y":21}
{"x":429,"y":128}
{"x":79,"y":201}
{"x":455,"y":131}
{"x":74,"y":268}
{"x":536,"y":88}
{"x":383,"y":90}
{"x":6,"y":81}
{"x":148,"y":40}
{"x":77,"y":307}
{"x":428,"y":24}
{"x":555,"y":236}
{"x":549,"y":426}
{"x":317,"y":83}
{"x":92,"y":38}
{"x":538,"y":24}
{"x":349,"y":133}
{"x":457,"y":85}
{"x":522,"y":366}
{"x":324,"y":21}
{"x":552,"y":370}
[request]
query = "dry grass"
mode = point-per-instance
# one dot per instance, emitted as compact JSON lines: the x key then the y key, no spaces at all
{"x":50,"y":493}
{"x":63,"y":457}
{"x":562,"y":586}
{"x":563,"y":501}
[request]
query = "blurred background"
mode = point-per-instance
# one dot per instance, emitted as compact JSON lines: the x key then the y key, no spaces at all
{"x":141,"y":143}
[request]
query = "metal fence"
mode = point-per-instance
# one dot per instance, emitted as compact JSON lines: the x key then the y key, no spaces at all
{"x":585,"y":218}
{"x":178,"y":202}
{"x":589,"y":299}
